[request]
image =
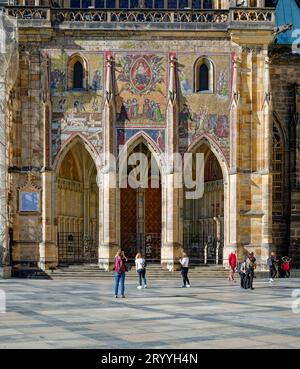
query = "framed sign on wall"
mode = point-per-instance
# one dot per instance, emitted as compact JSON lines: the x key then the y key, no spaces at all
{"x":29,"y":201}
{"x":29,"y":196}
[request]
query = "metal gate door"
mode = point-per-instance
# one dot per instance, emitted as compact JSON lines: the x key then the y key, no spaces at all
{"x":149,"y":245}
{"x":70,"y":248}
{"x":74,"y":248}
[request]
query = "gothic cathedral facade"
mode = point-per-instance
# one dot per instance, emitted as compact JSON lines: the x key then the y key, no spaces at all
{"x":87,"y":80}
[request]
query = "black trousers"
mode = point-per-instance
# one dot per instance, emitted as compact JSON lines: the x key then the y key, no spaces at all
{"x":272,"y":272}
{"x":250,"y":279}
{"x":184,"y":273}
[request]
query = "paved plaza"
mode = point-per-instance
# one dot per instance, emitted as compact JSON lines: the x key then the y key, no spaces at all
{"x":211,"y":314}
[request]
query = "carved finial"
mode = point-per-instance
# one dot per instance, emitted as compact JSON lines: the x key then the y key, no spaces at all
{"x":109,"y":79}
{"x":172,"y":79}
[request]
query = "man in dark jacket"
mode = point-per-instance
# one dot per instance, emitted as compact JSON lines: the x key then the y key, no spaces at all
{"x":272,"y":266}
{"x":250,"y":266}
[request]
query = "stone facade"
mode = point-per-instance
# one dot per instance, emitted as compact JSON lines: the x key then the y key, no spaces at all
{"x":141,"y":91}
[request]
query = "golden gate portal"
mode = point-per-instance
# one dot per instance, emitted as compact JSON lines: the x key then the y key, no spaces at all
{"x":90,"y":88}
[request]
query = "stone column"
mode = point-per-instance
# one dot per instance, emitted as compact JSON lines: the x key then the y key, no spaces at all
{"x":232,"y":241}
{"x":294,"y":249}
{"x":172,"y":233}
{"x":8,"y":73}
{"x":108,"y":196}
{"x":266,"y":170}
{"x":47,"y":249}
{"x":4,"y":254}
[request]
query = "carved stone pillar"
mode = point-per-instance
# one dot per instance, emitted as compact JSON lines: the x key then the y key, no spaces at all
{"x":232,"y":242}
{"x":266,"y":170}
{"x":48,"y":253}
{"x":108,"y":194}
{"x":172,"y":232}
{"x":294,"y":249}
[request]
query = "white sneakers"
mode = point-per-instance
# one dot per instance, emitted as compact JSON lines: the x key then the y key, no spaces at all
{"x":271,"y":280}
{"x":139,"y":287}
{"x":188,"y":285}
{"x":145,"y":286}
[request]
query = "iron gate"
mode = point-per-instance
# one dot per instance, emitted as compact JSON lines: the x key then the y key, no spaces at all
{"x":75,"y":248}
{"x":203,"y":249}
{"x":149,"y":245}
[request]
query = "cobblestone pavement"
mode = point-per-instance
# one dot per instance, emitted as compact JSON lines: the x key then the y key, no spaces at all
{"x":210,"y":314}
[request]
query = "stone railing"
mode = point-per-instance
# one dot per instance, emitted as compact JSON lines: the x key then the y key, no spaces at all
{"x":211,"y":16}
{"x":28,"y":12}
{"x":139,"y":16}
{"x":252,"y":15}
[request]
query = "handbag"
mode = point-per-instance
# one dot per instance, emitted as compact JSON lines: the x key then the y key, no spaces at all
{"x":128,"y":267}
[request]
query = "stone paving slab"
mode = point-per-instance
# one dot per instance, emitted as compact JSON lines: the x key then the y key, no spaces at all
{"x":211,"y":314}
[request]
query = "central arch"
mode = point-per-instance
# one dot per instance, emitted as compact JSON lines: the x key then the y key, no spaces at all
{"x":141,"y":208}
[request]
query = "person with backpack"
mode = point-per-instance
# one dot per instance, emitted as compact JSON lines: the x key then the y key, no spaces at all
{"x":184,"y":261}
{"x":271,"y":264}
{"x":120,"y":269}
{"x":140,"y":265}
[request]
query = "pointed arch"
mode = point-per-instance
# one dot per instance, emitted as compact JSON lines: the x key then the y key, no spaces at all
{"x":215,"y":150}
{"x":142,"y":137}
{"x":72,"y":141}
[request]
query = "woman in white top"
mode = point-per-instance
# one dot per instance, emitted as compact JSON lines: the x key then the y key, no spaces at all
{"x":184,"y":261}
{"x":140,"y":265}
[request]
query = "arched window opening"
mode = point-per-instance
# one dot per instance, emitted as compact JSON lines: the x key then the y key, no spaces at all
{"x":78,"y":75}
{"x":204,"y":76}
{"x":278,"y":167}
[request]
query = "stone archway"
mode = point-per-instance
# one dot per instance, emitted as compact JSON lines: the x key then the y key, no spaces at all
{"x":141,"y":211}
{"x":77,"y":206}
{"x":205,"y":223}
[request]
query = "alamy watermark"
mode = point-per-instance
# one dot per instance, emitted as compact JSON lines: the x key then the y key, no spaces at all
{"x":2,"y":301}
{"x":296,"y":301}
{"x":138,"y":170}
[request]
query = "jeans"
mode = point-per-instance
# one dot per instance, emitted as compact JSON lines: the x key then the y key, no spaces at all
{"x":142,"y":275}
{"x":120,"y":277}
{"x":184,"y":273}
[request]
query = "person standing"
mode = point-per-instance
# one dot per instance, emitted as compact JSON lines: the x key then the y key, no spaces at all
{"x":184,"y":261}
{"x":271,"y":264}
{"x":250,"y":267}
{"x":286,"y":266}
{"x":232,"y":265}
{"x":120,"y":269}
{"x":243,"y":275}
{"x":140,"y":264}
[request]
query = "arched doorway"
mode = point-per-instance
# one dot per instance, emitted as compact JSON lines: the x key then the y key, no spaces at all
{"x":204,"y":217}
{"x":77,"y":207}
{"x":140,"y":212}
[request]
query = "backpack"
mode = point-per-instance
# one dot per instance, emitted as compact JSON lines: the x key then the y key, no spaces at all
{"x":120,"y":267}
{"x":270,"y":261}
{"x":144,"y":264}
